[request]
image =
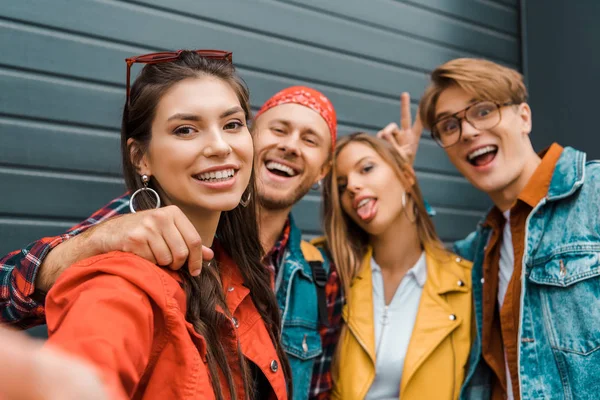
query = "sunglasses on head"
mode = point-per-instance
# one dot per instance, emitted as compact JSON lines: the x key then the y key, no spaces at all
{"x":168,"y":56}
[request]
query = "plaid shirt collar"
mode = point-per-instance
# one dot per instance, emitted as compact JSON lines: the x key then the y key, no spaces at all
{"x":272,"y":260}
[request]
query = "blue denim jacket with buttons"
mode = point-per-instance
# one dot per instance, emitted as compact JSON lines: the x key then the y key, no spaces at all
{"x":297,"y":298}
{"x":559,"y":327}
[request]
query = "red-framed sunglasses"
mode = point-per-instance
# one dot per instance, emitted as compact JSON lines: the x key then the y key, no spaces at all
{"x":167,"y":56}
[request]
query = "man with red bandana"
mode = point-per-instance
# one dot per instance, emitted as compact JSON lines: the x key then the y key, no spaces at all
{"x":294,"y":135}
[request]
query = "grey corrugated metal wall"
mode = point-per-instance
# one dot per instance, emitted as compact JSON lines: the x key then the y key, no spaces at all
{"x":563,"y":62}
{"x":62,"y":76}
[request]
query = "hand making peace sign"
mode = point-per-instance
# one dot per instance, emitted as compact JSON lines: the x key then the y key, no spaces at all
{"x":405,"y":138}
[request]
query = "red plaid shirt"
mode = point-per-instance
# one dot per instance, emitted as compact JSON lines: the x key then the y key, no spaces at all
{"x":322,"y":380}
{"x":272,"y":260}
{"x":22,"y":306}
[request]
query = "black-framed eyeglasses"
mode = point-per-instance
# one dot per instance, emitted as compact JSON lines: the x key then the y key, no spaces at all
{"x":447,"y":131}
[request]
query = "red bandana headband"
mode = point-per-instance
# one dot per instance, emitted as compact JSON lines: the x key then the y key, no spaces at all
{"x":307,"y":97}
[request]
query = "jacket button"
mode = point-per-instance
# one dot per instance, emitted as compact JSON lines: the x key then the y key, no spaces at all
{"x":230,"y":289}
{"x":482,"y":280}
{"x":460,"y":283}
{"x":235,"y":322}
{"x":452,"y":317}
{"x":304,"y":345}
{"x":458,"y":259}
{"x":274,"y":366}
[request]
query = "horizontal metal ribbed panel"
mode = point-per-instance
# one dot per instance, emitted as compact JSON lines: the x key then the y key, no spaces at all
{"x":62,"y":75}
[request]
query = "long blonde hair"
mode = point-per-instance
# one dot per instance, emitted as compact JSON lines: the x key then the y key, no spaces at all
{"x":347,"y":242}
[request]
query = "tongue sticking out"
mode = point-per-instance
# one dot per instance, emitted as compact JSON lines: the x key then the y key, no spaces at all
{"x":368,"y":211}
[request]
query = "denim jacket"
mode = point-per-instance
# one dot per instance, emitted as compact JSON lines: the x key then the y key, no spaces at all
{"x":559,"y":326}
{"x":297,"y":298}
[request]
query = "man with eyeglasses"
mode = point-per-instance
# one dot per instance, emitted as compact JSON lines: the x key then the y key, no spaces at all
{"x":536,"y":254}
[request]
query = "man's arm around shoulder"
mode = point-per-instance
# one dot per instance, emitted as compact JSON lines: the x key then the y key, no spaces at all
{"x":26,"y":274}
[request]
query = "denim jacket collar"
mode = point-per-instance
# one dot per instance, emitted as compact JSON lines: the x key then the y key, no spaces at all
{"x":295,"y":251}
{"x":569,"y":174}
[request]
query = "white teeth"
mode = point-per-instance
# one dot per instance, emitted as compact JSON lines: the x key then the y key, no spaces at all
{"x":271,"y":165}
{"x":363,"y":202}
{"x":218,"y":175}
{"x":480,"y":152}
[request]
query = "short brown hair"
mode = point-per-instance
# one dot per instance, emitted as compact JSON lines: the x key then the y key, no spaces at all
{"x":483,"y":79}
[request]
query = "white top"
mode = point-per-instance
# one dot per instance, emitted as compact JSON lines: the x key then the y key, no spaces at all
{"x":394,"y":324}
{"x":507,"y":266}
{"x":507,"y":260}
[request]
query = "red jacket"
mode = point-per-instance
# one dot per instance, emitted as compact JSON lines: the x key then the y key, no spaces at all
{"x":127,"y":317}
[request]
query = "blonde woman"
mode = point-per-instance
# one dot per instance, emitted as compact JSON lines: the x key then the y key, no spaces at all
{"x":407,"y":319}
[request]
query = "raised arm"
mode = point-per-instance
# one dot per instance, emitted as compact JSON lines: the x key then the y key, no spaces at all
{"x":405,"y":138}
{"x":30,"y":372}
{"x":99,"y":312}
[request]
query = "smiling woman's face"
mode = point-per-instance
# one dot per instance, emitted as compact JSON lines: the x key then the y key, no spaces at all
{"x":201,"y":150}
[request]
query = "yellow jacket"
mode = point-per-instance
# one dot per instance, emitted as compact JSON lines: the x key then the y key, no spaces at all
{"x":438,"y":352}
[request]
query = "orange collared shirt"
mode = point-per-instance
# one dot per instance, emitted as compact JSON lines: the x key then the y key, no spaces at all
{"x":500,"y":330}
{"x":126,"y":317}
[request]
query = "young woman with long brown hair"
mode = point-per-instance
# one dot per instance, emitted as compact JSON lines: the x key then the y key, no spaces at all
{"x":159,"y":334}
{"x":407,"y":319}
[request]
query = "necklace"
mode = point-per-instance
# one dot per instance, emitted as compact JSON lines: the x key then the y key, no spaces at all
{"x":384,"y":323}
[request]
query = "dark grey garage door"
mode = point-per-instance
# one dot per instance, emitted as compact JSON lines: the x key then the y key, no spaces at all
{"x":62,"y":77}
